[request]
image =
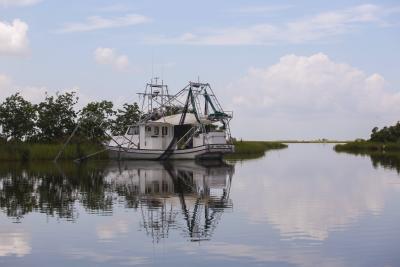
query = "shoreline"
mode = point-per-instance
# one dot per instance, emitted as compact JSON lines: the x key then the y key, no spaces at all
{"x":367,"y":147}
{"x":31,"y":152}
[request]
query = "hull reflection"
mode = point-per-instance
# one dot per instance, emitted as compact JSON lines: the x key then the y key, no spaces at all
{"x":186,"y":195}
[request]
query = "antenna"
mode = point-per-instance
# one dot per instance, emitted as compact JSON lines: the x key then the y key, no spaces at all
{"x":162,"y":68}
{"x":152,"y":64}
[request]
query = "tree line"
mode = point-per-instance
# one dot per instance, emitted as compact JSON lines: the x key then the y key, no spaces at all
{"x":56,"y":117}
{"x":389,"y":134}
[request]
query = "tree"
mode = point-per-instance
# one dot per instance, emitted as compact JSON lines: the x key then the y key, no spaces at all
{"x":57,"y":117}
{"x":386,"y":134}
{"x":96,"y":118}
{"x":129,"y":115}
{"x":17,"y":118}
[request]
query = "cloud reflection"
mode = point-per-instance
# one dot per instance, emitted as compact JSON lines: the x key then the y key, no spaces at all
{"x":110,"y":230}
{"x":103,"y":257}
{"x":14,"y":244}
{"x":272,"y":255}
{"x":309,"y":204}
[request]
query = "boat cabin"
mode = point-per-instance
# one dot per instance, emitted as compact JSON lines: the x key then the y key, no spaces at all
{"x":160,"y":134}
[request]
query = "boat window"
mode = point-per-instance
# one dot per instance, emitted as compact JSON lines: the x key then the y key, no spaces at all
{"x":164,"y":130}
{"x":156,"y":130}
{"x":133,"y":130}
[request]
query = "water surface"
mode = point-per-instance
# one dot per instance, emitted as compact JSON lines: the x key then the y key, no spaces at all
{"x":302,"y":206}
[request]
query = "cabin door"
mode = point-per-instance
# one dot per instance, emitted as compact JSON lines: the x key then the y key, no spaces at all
{"x":164,"y":134}
{"x":164,"y":142}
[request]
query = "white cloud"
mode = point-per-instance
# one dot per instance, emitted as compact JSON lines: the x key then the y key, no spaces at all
{"x":315,"y":83}
{"x":96,"y":23}
{"x":4,"y":81}
{"x":309,"y":29}
{"x":8,"y":3}
{"x":108,"y":56}
{"x":36,"y":94}
{"x":314,"y":94}
{"x":13,"y":37}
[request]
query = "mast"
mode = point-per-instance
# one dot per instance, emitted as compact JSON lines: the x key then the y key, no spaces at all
{"x":199,"y":96}
{"x":154,"y":97}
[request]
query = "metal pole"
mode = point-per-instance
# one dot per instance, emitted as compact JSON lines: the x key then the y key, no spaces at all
{"x":66,"y":143}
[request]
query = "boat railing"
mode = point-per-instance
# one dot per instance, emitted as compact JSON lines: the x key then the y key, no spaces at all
{"x":185,"y":138}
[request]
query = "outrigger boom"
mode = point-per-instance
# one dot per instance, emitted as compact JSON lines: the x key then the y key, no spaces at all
{"x":188,"y":125}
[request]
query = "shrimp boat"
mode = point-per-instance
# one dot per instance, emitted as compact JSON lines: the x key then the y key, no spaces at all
{"x":188,"y":125}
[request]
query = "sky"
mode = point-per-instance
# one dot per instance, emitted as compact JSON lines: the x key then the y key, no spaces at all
{"x":287,"y":69}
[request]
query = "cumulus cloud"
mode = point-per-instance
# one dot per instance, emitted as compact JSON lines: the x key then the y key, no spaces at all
{"x":97,"y":22}
{"x":308,"y":92}
{"x":36,"y":94}
{"x":108,"y":56}
{"x":4,"y":81}
{"x":8,"y":87}
{"x":8,"y":3}
{"x":315,"y":83}
{"x":314,"y":28}
{"x":13,"y":37}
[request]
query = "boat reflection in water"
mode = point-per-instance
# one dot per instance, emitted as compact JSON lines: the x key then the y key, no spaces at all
{"x":183,"y":195}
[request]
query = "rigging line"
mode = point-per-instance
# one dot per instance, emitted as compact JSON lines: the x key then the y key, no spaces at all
{"x":152,"y":63}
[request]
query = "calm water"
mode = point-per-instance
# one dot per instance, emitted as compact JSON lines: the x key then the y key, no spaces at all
{"x":302,"y":206}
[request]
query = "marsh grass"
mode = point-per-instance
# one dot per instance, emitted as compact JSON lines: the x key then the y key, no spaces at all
{"x":253,"y":149}
{"x":25,"y":152}
{"x":386,"y":155}
{"x":367,"y":147}
{"x":45,"y":152}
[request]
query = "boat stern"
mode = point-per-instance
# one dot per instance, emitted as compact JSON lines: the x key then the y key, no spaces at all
{"x":216,"y":151}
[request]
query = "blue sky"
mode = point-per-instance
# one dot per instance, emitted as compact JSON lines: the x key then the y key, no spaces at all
{"x":288,"y":69}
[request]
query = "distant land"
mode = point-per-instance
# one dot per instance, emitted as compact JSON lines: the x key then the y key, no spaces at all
{"x":318,"y":141}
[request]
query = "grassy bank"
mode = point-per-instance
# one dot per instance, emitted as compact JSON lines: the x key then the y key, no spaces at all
{"x":32,"y":152}
{"x":386,"y":155}
{"x":24,"y":152}
{"x":367,"y":147}
{"x":311,"y":141}
{"x":253,"y":149}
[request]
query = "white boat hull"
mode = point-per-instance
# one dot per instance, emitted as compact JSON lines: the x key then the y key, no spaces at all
{"x":214,"y":151}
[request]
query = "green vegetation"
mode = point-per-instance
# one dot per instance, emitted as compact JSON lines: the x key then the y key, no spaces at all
{"x":253,"y":149}
{"x":367,"y":147}
{"x":52,"y":188}
{"x":37,"y":131}
{"x":389,"y":134}
{"x":317,"y":141}
{"x":383,"y":147}
{"x":55,"y":118}
{"x":37,"y":152}
{"x":387,"y":156}
{"x":385,"y":140}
